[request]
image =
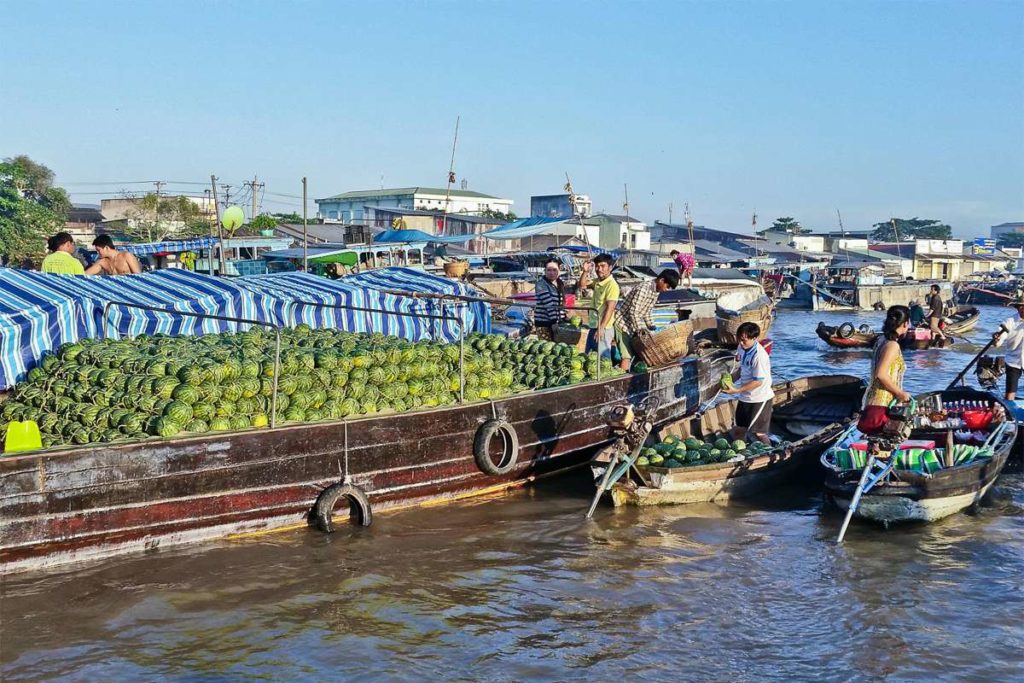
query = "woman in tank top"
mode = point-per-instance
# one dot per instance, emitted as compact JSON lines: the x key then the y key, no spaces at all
{"x":887,"y":368}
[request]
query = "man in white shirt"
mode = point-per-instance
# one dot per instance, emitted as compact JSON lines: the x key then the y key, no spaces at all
{"x":1013,"y":338}
{"x":753,"y":389}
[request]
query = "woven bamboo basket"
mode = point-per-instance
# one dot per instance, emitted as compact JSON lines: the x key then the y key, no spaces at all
{"x":456,"y":268}
{"x":730,"y":321}
{"x":664,"y":346}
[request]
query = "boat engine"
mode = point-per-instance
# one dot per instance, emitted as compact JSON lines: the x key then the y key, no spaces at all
{"x":989,"y":370}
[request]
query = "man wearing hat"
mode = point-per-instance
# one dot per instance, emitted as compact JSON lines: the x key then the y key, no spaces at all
{"x":1014,"y":341}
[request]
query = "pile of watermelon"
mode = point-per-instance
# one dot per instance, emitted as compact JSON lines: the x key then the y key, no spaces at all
{"x":101,"y":391}
{"x":675,"y":452}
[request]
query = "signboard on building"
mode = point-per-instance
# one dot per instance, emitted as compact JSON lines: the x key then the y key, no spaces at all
{"x":984,"y":245}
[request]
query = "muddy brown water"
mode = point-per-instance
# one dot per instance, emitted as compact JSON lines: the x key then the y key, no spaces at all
{"x":521,"y":587}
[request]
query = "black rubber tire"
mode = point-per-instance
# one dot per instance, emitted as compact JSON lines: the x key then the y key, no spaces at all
{"x":322,"y":514}
{"x":482,"y":451}
{"x":864,"y":329}
{"x":845,"y":330}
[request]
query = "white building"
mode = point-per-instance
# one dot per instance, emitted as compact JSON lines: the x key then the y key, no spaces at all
{"x":349,"y":207}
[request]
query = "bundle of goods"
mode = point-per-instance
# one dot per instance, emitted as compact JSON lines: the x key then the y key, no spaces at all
{"x":114,"y":390}
{"x":675,"y":452}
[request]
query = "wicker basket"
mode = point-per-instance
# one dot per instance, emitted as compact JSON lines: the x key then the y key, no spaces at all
{"x":664,"y":346}
{"x":729,"y":322}
{"x":456,"y":268}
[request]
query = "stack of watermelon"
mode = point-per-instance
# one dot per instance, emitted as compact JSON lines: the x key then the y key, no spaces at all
{"x":116,"y":390}
{"x":675,"y":452}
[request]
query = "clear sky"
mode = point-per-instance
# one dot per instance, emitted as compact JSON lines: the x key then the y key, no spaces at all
{"x":789,"y":108}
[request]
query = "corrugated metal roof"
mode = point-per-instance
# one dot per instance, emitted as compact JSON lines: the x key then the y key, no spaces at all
{"x":391,"y":192}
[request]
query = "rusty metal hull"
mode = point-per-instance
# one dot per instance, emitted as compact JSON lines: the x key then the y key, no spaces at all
{"x":72,"y":504}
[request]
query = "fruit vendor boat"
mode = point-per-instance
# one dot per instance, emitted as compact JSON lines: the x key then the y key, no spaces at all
{"x":928,"y":481}
{"x":86,"y":502}
{"x":847,"y":336}
{"x":808,"y":415}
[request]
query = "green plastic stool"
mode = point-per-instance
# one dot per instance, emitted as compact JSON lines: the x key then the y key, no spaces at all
{"x":22,"y":436}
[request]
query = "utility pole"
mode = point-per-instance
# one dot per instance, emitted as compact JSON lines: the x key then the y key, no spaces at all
{"x":156,"y":207}
{"x":842,"y":231}
{"x":753,"y":224}
{"x":305,"y":237}
{"x":625,"y":209}
{"x":670,"y":213}
{"x":254,"y":187}
{"x":220,"y":232}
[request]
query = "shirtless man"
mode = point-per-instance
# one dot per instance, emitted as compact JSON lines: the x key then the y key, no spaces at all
{"x":112,"y":261}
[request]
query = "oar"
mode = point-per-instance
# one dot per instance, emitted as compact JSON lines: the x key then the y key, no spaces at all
{"x":855,"y":501}
{"x":967,"y":368}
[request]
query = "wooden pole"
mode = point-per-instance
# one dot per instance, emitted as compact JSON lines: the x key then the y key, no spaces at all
{"x":220,"y":228}
{"x":451,"y":179}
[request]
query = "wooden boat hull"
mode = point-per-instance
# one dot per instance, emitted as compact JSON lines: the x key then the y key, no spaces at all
{"x":726,"y":481}
{"x":914,"y":497}
{"x":70,"y":504}
{"x":829,"y":334}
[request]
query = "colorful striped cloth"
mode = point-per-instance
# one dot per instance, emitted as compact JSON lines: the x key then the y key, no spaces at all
{"x":175,"y":246}
{"x":923,"y":461}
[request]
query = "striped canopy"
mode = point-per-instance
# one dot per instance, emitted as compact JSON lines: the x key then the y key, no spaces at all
{"x":40,"y":311}
{"x":176,"y":246}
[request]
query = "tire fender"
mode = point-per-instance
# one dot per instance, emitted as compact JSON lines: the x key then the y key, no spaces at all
{"x":845,"y":330}
{"x":506,"y":433}
{"x":321,"y":516}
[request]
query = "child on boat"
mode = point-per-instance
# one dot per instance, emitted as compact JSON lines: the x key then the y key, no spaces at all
{"x":753,"y":389}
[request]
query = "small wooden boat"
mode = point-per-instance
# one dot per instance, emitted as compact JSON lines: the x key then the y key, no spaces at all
{"x":808,"y":414}
{"x":848,"y":336}
{"x":930,"y":489}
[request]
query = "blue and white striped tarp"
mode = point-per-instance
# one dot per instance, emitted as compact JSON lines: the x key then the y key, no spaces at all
{"x":320,"y":302}
{"x":176,"y":246}
{"x":40,"y":311}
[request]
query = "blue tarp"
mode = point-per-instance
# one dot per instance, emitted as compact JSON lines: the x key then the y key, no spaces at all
{"x":416,"y":237}
{"x":176,"y":246}
{"x":525,"y":227}
{"x":39,"y":311}
{"x":313,"y":299}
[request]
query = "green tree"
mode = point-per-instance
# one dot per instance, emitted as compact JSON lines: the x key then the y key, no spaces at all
{"x":263,"y":222}
{"x":288,"y":217}
{"x":790,"y":225}
{"x":910,"y":229}
{"x":31,"y":208}
{"x":490,"y":213}
{"x":154,"y":219}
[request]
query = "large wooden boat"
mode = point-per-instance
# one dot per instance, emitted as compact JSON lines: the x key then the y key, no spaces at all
{"x":69,"y":504}
{"x":848,"y":336}
{"x":909,"y":495}
{"x":809,"y":414}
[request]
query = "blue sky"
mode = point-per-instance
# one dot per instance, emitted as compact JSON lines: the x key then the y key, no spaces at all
{"x":792,"y":108}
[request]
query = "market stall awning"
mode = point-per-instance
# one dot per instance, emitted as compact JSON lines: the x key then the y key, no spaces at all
{"x":525,"y":227}
{"x":417,"y":237}
{"x":172,"y":247}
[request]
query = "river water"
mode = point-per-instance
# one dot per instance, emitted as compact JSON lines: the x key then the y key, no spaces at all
{"x":521,"y":587}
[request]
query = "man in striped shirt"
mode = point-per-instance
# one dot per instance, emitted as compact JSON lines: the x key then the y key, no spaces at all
{"x":635,"y":313}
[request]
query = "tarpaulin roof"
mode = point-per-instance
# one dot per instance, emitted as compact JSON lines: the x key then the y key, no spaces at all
{"x":417,"y":236}
{"x":525,"y":227}
{"x":40,"y":311}
{"x":313,"y":300}
{"x":174,"y":246}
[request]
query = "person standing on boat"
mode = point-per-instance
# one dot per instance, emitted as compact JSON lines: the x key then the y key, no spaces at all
{"x":112,"y":261}
{"x":917,"y":316}
{"x":550,"y":309}
{"x":635,"y":313}
{"x":753,"y":389}
{"x":61,"y":258}
{"x":936,"y":314}
{"x":685,"y":263}
{"x":887,"y":368}
{"x":606,"y":297}
{"x":1013,"y":338}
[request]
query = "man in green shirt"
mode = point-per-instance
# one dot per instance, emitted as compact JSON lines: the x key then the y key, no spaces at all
{"x":606,"y":297}
{"x":61,"y":258}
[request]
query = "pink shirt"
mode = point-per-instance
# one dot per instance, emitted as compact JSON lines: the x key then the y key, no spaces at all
{"x":685,"y":261}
